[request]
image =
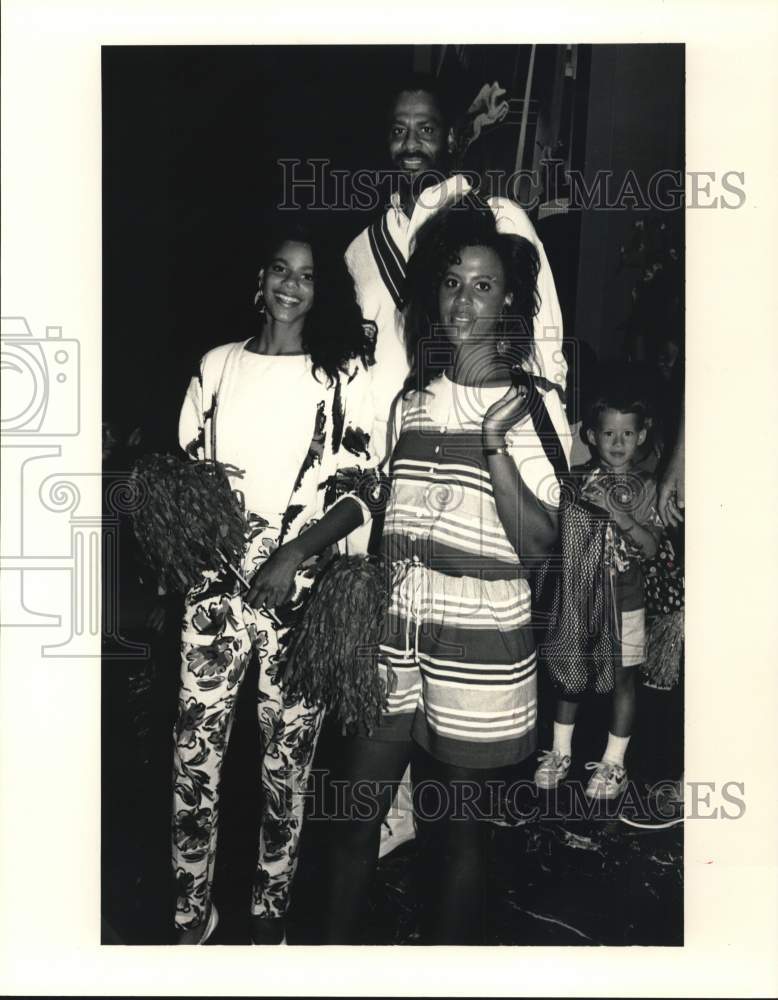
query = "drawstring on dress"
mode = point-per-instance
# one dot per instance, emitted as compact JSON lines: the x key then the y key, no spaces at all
{"x":412,"y":594}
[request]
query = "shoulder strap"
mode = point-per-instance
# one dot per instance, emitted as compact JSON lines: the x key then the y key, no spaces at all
{"x":389,"y":260}
{"x":544,"y":427}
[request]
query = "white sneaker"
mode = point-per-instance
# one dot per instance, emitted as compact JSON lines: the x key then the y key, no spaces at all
{"x":553,"y":768}
{"x":608,"y":781}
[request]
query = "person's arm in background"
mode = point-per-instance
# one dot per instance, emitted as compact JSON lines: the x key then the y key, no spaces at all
{"x":671,"y":487}
{"x":547,"y":325}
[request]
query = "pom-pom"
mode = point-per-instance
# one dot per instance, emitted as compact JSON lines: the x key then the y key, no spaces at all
{"x":190,"y":521}
{"x":662,"y":668}
{"x":332,"y":656}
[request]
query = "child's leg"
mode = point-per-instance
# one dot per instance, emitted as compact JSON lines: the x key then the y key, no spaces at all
{"x":623,"y":716}
{"x":624,"y":694}
{"x":564,"y":723}
{"x":610,"y":777}
{"x":632,"y":652}
{"x":555,"y":764}
{"x":565,"y":712}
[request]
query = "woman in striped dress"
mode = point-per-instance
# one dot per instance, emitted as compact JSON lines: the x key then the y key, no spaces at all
{"x":473,"y":500}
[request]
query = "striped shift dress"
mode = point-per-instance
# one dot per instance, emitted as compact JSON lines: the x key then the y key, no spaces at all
{"x":458,"y":636}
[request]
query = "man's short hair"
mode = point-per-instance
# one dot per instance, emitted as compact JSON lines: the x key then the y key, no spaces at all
{"x":415,"y":82}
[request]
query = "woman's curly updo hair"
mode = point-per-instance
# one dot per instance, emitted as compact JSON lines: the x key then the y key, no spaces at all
{"x":334,"y":332}
{"x":440,"y":241}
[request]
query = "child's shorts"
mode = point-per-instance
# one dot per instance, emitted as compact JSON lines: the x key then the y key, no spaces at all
{"x":629,"y":632}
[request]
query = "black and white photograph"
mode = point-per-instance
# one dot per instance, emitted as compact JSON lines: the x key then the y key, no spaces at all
{"x":377,"y":573}
{"x":421,"y":651}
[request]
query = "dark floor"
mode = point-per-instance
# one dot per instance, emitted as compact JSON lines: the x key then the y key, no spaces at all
{"x":552,"y":880}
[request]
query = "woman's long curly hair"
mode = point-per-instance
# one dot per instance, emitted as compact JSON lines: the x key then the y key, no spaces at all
{"x":334,"y":332}
{"x":466,"y":223}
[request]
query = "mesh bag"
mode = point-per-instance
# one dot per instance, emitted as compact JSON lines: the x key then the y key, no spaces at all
{"x":574,"y":628}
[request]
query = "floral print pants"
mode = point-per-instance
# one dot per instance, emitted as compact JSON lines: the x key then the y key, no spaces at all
{"x":220,"y":633}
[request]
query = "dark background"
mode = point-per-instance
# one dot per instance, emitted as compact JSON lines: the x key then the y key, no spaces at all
{"x":192,"y":137}
{"x":191,"y":142}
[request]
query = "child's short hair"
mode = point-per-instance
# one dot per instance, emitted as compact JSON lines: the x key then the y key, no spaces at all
{"x":620,"y":402}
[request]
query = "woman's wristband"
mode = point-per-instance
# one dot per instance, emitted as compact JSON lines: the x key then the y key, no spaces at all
{"x":497,"y":450}
{"x":492,"y":439}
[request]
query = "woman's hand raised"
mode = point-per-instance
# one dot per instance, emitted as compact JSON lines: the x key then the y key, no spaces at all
{"x":504,"y":414}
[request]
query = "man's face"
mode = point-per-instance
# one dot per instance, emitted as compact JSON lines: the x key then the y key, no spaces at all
{"x":418,"y":136}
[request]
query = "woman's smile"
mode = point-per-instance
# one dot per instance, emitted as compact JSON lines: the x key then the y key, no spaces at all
{"x":287,"y":282}
{"x":286,"y":300}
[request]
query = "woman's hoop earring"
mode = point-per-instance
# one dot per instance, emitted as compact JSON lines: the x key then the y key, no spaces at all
{"x":259,"y":300}
{"x":503,"y":344}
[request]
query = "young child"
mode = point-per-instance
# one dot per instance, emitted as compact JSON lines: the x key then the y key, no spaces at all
{"x":615,"y":508}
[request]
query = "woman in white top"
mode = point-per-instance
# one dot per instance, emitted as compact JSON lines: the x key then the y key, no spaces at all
{"x":290,"y":412}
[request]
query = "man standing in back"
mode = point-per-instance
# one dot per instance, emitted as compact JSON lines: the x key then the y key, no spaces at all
{"x":421,"y":141}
